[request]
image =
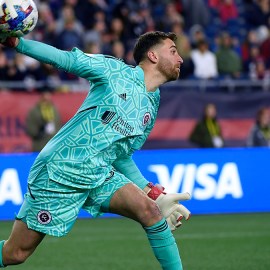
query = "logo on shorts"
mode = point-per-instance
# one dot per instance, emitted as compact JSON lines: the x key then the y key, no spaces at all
{"x":44,"y":217}
{"x":146,"y":118}
{"x":110,"y":175}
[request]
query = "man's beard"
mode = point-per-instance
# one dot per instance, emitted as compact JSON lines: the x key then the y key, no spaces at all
{"x":170,"y":72}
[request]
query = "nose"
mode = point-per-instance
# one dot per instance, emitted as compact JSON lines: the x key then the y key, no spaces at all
{"x":181,"y":60}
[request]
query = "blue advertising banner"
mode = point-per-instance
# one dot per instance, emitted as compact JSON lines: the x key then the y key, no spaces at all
{"x":219,"y":180}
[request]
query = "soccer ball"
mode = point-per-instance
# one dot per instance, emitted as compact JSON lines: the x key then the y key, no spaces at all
{"x":17,"y":17}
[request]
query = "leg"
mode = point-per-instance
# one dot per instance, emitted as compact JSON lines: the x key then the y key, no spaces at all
{"x":21,"y":244}
{"x":48,"y":208}
{"x":130,"y":201}
{"x":119,"y":195}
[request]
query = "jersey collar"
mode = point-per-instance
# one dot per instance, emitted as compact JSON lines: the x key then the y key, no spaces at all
{"x":140,"y":73}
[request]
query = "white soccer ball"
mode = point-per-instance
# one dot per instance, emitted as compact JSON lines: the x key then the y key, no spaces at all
{"x":17,"y":17}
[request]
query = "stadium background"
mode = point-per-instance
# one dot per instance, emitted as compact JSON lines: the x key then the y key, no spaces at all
{"x":238,"y":241}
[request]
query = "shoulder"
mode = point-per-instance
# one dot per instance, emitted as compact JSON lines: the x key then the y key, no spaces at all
{"x":99,"y":58}
{"x":80,"y":53}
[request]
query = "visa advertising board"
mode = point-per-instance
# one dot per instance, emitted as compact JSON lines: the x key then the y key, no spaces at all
{"x":225,"y":180}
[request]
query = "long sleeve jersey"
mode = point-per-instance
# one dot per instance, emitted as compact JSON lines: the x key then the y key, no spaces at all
{"x":114,"y":120}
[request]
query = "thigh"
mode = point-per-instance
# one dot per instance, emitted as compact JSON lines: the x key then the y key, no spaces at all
{"x":130,"y":201}
{"x":98,"y":201}
{"x":120,"y":196}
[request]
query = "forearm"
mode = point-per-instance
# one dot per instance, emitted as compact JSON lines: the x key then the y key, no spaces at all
{"x":127,"y":167}
{"x":46,"y":54}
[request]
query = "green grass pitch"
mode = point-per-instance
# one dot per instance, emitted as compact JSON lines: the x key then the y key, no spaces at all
{"x":214,"y":242}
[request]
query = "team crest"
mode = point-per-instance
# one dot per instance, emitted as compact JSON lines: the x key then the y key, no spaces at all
{"x":146,"y":118}
{"x":44,"y":217}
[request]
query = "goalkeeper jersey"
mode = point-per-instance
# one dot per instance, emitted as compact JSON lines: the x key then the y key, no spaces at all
{"x":114,"y":120}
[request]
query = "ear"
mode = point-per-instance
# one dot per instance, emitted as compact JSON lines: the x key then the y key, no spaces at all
{"x":152,"y":56}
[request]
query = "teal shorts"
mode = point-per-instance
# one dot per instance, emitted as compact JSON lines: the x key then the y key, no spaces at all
{"x":52,"y":208}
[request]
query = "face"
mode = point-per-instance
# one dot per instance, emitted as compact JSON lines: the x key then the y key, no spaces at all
{"x":46,"y":97}
{"x":169,"y":61}
{"x":265,"y":118}
{"x":210,"y":111}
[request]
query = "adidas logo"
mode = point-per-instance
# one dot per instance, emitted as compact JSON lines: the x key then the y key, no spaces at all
{"x":123,"y":96}
{"x":107,"y":117}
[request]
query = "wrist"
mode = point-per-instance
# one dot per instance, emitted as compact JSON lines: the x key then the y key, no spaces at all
{"x":153,"y":191}
{"x":146,"y":189}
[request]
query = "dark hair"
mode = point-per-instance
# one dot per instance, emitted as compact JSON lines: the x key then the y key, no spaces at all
{"x":147,"y":41}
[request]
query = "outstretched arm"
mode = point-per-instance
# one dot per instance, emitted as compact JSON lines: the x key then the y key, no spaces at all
{"x":45,"y":53}
{"x":90,"y":67}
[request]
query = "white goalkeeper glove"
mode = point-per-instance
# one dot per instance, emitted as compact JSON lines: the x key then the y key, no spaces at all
{"x":169,"y":205}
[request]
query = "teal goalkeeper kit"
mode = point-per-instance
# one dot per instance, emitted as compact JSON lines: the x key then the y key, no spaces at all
{"x":74,"y":167}
{"x":114,"y":120}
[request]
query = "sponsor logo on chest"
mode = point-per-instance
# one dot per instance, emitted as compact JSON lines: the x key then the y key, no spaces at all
{"x":121,"y":125}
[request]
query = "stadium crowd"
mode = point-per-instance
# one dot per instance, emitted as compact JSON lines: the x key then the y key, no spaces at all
{"x":229,"y":37}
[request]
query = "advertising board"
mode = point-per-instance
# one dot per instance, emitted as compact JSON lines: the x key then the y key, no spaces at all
{"x":229,"y":180}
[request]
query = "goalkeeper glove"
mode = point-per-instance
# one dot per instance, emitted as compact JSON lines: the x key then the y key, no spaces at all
{"x":169,"y":206}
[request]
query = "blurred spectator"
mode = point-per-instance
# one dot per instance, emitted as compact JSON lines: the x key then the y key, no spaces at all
{"x":257,"y":13}
{"x":16,"y":69}
{"x":95,"y":25}
{"x":116,"y":30}
{"x":196,"y":33}
{"x":67,"y":14}
{"x":118,"y":49}
{"x":95,"y":34}
{"x":45,"y":28}
{"x":258,"y":70}
{"x":207,"y":131}
{"x":228,"y":61}
{"x":265,"y":49}
{"x":69,"y":37}
{"x":247,"y":48}
{"x":141,"y":20}
{"x":204,"y":61}
{"x":34,"y":69}
{"x":89,"y":9}
{"x":262,"y":33}
{"x":93,"y":48}
{"x":184,"y":49}
{"x":227,"y":11}
{"x":214,"y":3}
{"x":121,"y":11}
{"x":199,"y":15}
{"x":259,"y":134}
{"x":171,"y":17}
{"x":51,"y":76}
{"x":76,"y":6}
{"x":42,"y":122}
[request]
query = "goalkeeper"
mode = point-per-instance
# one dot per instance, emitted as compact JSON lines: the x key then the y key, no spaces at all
{"x":88,"y":164}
